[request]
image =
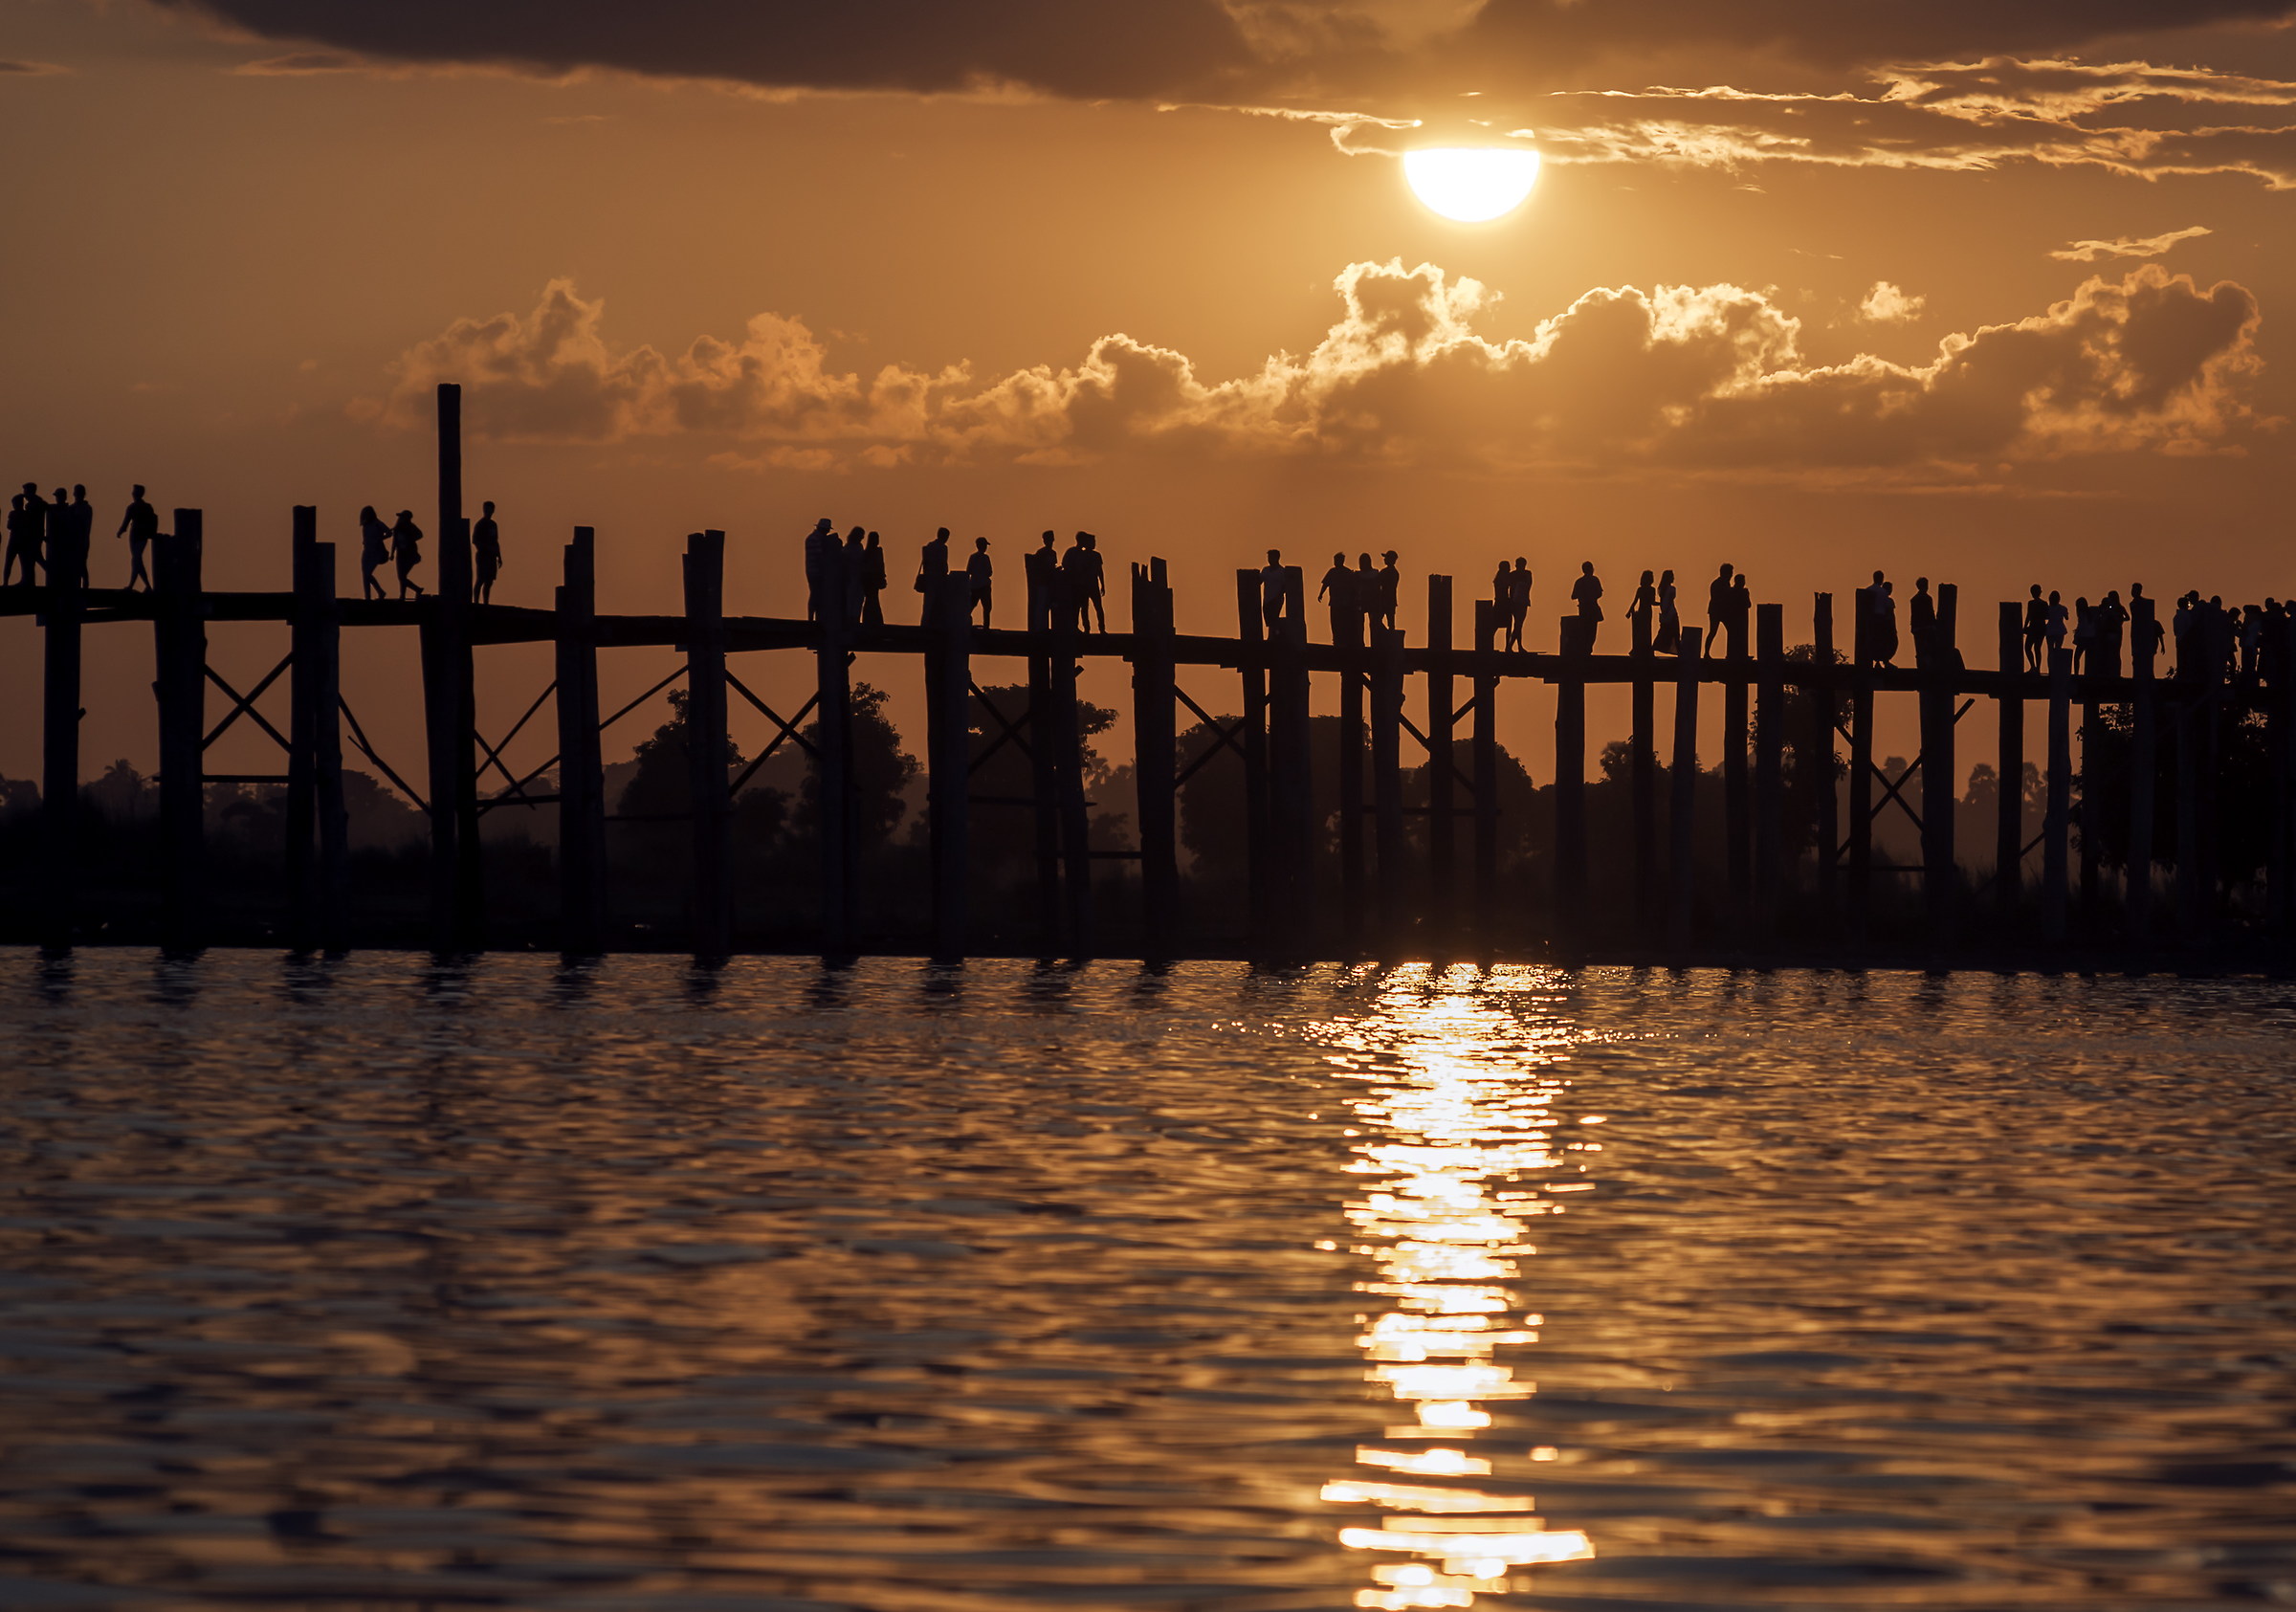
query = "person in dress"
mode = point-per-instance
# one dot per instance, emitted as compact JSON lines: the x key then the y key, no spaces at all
{"x":873,"y":583}
{"x":1669,"y":617}
{"x":931,"y":565}
{"x":1645,"y":606}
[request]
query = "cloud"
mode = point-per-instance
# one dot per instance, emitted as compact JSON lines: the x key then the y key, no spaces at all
{"x":1886,"y":304}
{"x":2126,"y":117}
{"x":300,"y":64}
{"x":2127,"y":246}
{"x":1239,"y":50}
{"x":1704,"y":377}
{"x":31,"y":69}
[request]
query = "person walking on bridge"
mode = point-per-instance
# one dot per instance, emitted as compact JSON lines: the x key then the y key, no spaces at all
{"x":138,"y":526}
{"x":406,"y":551}
{"x":374,"y":548}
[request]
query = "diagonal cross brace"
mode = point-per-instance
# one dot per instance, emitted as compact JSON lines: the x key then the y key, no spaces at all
{"x":244,"y":704}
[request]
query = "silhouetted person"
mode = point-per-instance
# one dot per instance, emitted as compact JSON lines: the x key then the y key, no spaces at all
{"x":1741,"y":612}
{"x":821,"y":570}
{"x":1645,"y":606}
{"x":1041,"y":566}
{"x":983,"y":576}
{"x":2187,"y":603}
{"x":1367,"y":593}
{"x":138,"y":526}
{"x":1338,"y":592}
{"x":486,"y":552}
{"x":2111,"y":621}
{"x":2085,"y":633}
{"x":1587,"y":593}
{"x":852,"y":565}
{"x":2037,"y":627}
{"x":374,"y":548}
{"x":1391,"y":587}
{"x":1881,"y":601}
{"x":873,"y":583}
{"x":1669,"y":617}
{"x":1717,"y":608}
{"x":2150,"y":626}
{"x":26,"y":518}
{"x":1519,"y":600}
{"x":56,"y":545}
{"x":2252,"y":637}
{"x":932,"y":564}
{"x":1097,"y":582}
{"x":1075,"y":578}
{"x":406,"y":551}
{"x":1921,"y":619}
{"x":2054,"y":623}
{"x":1272,"y":590}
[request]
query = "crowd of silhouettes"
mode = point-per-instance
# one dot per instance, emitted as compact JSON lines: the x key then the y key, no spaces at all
{"x":846,"y":578}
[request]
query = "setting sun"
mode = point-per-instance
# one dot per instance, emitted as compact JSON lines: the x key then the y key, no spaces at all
{"x":1471,"y":184}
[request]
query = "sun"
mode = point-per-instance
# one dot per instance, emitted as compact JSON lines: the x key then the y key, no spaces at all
{"x":1472,"y":184}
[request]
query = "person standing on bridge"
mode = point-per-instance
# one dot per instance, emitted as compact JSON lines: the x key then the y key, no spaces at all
{"x":1587,"y":593}
{"x":2036,"y":628}
{"x":406,"y":551}
{"x":932,"y":566}
{"x":821,"y":569}
{"x":1391,"y":591}
{"x":1519,"y":600}
{"x":1670,"y":616}
{"x":1089,"y":586}
{"x":1338,"y":591}
{"x":138,"y":526}
{"x":1645,"y":609}
{"x":374,"y":548}
{"x":27,"y":518}
{"x":1272,"y":590}
{"x":983,"y":576}
{"x":873,"y":583}
{"x":485,"y":548}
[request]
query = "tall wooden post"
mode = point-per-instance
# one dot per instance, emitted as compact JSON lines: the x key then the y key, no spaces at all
{"x":1291,"y":836}
{"x":2009,"y":759}
{"x":2191,"y":712}
{"x":1939,"y":766}
{"x":2056,"y":829}
{"x":2144,"y":741}
{"x":2279,"y":867}
{"x":2091,"y":776}
{"x":318,"y":845}
{"x":180,"y":646}
{"x":1068,"y":757}
{"x":1829,"y":825}
{"x":1154,"y":763}
{"x":707,"y":749}
{"x":59,"y":734}
{"x":833,"y":742}
{"x":1682,"y":870}
{"x":580,"y":768}
{"x":1348,"y":636}
{"x":1045,"y":751}
{"x":1860,"y":769}
{"x":1253,"y":665}
{"x":1570,"y":927}
{"x":949,"y":760}
{"x":1443,"y":873}
{"x":449,"y":703}
{"x":1485,"y":739}
{"x":1387,"y":784}
{"x":1736,"y":818}
{"x":1643,"y":756}
{"x":1768,"y":766}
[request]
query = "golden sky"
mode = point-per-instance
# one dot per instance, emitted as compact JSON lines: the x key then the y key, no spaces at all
{"x":1985,"y":291}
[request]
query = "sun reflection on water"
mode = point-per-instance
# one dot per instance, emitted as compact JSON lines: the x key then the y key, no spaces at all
{"x":1456,"y":1137}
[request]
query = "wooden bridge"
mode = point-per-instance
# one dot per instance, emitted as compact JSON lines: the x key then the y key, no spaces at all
{"x":1384,"y":898}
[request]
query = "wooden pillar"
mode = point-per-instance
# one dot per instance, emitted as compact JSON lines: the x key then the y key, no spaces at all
{"x":1067,"y":756}
{"x":1252,"y":666}
{"x":1570,"y":926}
{"x":948,"y":755}
{"x":1291,"y":826}
{"x":2055,"y":830}
{"x":833,"y":742}
{"x":60,"y":713}
{"x":1682,"y":869}
{"x":1442,"y":870}
{"x":1769,"y":767}
{"x":1736,"y":815}
{"x":1860,"y":769}
{"x":1939,"y":768}
{"x":2208,"y":759}
{"x":2190,"y":709}
{"x":1348,"y":636}
{"x":2281,"y":864}
{"x":180,"y":645}
{"x":580,"y":768}
{"x":318,"y":829}
{"x":1829,"y":825}
{"x":2144,"y":759}
{"x":1643,"y":756}
{"x":2009,"y":761}
{"x":1044,"y":750}
{"x":459,"y":893}
{"x":706,"y":745}
{"x":2091,"y":777}
{"x":1155,"y":768}
{"x":1387,"y":784}
{"x":1485,"y":740}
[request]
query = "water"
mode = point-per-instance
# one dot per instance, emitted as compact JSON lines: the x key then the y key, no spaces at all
{"x":392,"y":1285}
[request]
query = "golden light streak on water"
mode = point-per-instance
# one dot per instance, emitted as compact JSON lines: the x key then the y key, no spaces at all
{"x":1455,"y":1126}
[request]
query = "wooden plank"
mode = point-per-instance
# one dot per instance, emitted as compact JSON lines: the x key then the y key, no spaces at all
{"x":2144,"y":760}
{"x":1769,"y":767}
{"x":1570,"y":885}
{"x":707,"y":746}
{"x":180,"y":651}
{"x":1485,"y":740}
{"x":1155,"y":768}
{"x":581,"y":767}
{"x":1442,"y":872}
{"x":1682,"y":869}
{"x":2009,"y":762}
{"x":2056,"y":828}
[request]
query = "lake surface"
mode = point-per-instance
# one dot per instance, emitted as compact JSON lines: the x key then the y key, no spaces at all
{"x":635,"y":1288}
